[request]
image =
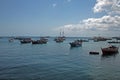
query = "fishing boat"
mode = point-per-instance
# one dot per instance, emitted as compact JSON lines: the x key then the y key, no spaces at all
{"x":61,"y":38}
{"x":76,"y":43}
{"x":96,"y":39}
{"x":41,"y":41}
{"x":85,"y":40}
{"x":118,"y":38}
{"x":114,"y":42}
{"x":11,"y":40}
{"x":110,"y":50}
{"x":36,"y":42}
{"x":25,"y":40}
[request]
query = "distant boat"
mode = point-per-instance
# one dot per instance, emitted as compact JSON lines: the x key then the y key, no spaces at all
{"x":93,"y":52}
{"x":117,"y":38}
{"x":41,"y":41}
{"x":76,"y":43}
{"x":85,"y":40}
{"x":114,"y":42}
{"x":11,"y":40}
{"x":36,"y":42}
{"x":109,"y":50}
{"x":25,"y":40}
{"x":59,"y":39}
{"x":96,"y":39}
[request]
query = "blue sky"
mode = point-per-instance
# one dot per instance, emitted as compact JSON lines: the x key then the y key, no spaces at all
{"x":48,"y":17}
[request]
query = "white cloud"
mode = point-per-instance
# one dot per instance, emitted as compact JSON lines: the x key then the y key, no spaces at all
{"x":102,"y":5}
{"x":109,"y":6}
{"x":103,"y":23}
{"x":108,"y":23}
{"x":115,"y":7}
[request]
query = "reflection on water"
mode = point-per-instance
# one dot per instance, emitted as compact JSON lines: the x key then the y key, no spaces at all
{"x":75,"y":47}
{"x":109,"y":55}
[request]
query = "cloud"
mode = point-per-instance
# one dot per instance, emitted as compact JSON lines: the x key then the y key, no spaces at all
{"x":102,"y":5}
{"x":109,"y":6}
{"x":54,"y":5}
{"x":103,"y":23}
{"x":107,"y":23}
{"x":115,"y":7}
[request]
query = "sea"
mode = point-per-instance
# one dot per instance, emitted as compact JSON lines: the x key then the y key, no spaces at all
{"x":57,"y":61}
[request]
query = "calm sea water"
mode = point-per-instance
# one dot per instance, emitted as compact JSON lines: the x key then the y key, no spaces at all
{"x":56,"y":61}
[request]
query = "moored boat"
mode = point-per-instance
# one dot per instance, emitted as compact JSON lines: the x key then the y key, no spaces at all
{"x":93,"y":52}
{"x":59,"y":39}
{"x":114,"y":42}
{"x":96,"y":39}
{"x":11,"y":40}
{"x":109,"y":50}
{"x":36,"y":42}
{"x":25,"y":40}
{"x":76,"y":43}
{"x":41,"y":41}
{"x":85,"y":40}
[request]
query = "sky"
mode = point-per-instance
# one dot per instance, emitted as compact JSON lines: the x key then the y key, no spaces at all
{"x":77,"y":18}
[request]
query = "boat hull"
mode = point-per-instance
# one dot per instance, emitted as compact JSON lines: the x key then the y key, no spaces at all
{"x":114,"y":42}
{"x":24,"y":42}
{"x":39,"y":42}
{"x":94,"y":53}
{"x":59,"y":39}
{"x":107,"y":51}
{"x":75,"y":45}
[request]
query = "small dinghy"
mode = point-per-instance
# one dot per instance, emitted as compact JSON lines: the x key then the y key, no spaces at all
{"x":93,"y":52}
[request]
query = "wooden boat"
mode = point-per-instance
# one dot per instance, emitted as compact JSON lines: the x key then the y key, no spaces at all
{"x":25,"y":40}
{"x":96,"y":39}
{"x":85,"y":40}
{"x":93,"y":52}
{"x":36,"y":42}
{"x":11,"y":40}
{"x":41,"y":41}
{"x":109,"y":50}
{"x":118,"y":38}
{"x":76,"y":43}
{"x":59,"y":39}
{"x":114,"y":42}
